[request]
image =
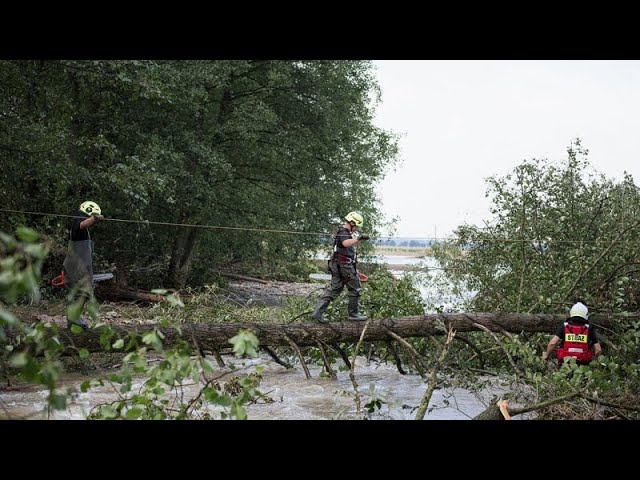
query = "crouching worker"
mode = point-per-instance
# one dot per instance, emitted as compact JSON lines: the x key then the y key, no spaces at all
{"x":576,"y":338}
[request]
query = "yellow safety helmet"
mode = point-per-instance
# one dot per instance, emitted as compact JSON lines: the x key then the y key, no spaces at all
{"x":90,"y":208}
{"x":355,"y":217}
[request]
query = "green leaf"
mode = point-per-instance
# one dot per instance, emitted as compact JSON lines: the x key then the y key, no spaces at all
{"x":152,"y":338}
{"x":158,"y":391}
{"x":74,"y":310}
{"x":26,"y":234}
{"x":76,"y":328}
{"x":58,"y":402}
{"x":19,"y":359}
{"x":118,"y":344}
{"x":83,"y":352}
{"x":207,"y":366}
{"x":36,"y":250}
{"x":108,"y":412}
{"x":239,"y":412}
{"x":7,"y":317}
{"x":244,"y":343}
{"x":92,"y":308}
{"x":8,"y":240}
{"x":134,"y":413}
{"x":174,"y":301}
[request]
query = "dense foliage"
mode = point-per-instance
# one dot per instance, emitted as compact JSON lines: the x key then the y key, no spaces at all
{"x":286,"y":145}
{"x":560,"y":232}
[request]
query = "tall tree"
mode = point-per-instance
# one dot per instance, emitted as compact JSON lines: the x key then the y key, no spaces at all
{"x":559,"y":232}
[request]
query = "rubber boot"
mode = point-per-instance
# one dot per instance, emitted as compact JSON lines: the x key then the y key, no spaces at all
{"x":317,"y":313}
{"x":354,"y":316}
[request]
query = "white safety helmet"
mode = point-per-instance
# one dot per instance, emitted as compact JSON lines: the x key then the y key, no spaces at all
{"x":579,"y":310}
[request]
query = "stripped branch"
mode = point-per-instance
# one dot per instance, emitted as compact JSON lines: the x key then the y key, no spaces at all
{"x":218,"y":357}
{"x":473,"y":347}
{"x":300,"y":356}
{"x":327,"y":363}
{"x":353,"y":366}
{"x":343,"y":355}
{"x":493,"y":335}
{"x":415,"y":356}
{"x":433,"y":376}
{"x":393,"y":351}
{"x":275,"y":357}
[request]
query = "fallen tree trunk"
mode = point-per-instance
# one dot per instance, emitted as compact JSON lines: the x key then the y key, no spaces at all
{"x":213,"y":336}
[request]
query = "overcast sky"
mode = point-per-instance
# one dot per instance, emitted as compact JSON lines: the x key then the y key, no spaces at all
{"x":463,"y":121}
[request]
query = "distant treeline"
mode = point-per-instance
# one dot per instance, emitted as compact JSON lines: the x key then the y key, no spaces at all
{"x":405,"y":243}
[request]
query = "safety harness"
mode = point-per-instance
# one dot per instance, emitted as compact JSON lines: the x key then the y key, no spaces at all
{"x":343,"y":259}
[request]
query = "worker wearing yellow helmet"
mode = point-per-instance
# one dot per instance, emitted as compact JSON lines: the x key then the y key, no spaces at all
{"x":78,"y":264}
{"x":343,"y":269}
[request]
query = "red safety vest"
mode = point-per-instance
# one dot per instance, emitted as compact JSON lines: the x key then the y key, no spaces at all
{"x":576,"y":343}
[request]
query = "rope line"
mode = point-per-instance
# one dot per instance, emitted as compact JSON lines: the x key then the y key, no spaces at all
{"x":536,"y":242}
{"x":149,"y":222}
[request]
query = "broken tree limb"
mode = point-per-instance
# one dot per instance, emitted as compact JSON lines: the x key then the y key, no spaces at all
{"x":327,"y":363}
{"x":244,"y":277}
{"x":343,"y":355}
{"x":353,"y":365}
{"x":473,"y":347}
{"x":295,"y":346}
{"x":493,"y":335}
{"x":493,"y":412}
{"x":218,"y":357}
{"x":433,"y":376}
{"x":503,"y":405}
{"x":415,"y":356}
{"x":212,"y":336}
{"x":114,"y":293}
{"x":393,"y":351}
{"x":275,"y":357}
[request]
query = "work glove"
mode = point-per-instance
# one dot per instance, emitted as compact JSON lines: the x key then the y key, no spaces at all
{"x":97,"y":216}
{"x":364,"y":236}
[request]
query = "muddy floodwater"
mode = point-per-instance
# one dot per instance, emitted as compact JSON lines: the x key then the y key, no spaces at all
{"x":293,"y":396}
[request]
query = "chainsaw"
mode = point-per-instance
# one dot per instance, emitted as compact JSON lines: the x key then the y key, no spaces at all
{"x":98,"y":277}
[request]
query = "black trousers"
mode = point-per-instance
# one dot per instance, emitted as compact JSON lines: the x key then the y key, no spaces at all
{"x":342,"y":274}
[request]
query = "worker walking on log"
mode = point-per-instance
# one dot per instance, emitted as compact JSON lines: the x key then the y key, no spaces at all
{"x":343,"y":270}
